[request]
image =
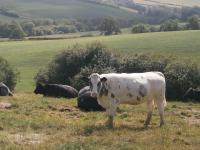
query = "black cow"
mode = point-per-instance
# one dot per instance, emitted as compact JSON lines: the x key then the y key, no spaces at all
{"x":4,"y":90}
{"x":56,"y":90}
{"x":193,"y":94}
{"x":84,"y":90}
{"x":86,"y":102}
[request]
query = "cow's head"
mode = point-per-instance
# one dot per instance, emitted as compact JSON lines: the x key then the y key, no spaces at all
{"x":97,"y":84}
{"x":39,"y":89}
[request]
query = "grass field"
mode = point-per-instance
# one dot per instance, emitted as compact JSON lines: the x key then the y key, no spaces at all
{"x":71,"y":9}
{"x":38,"y":123}
{"x":29,"y":56}
{"x":190,"y":3}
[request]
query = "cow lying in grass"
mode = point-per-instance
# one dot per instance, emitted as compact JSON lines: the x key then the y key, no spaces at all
{"x":114,"y":89}
{"x":56,"y":90}
{"x":86,"y":102}
{"x":4,"y":90}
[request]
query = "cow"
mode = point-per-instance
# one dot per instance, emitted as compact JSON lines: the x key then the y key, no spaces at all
{"x":56,"y":90}
{"x":84,"y":90}
{"x":4,"y":90}
{"x":88,"y":103}
{"x":193,"y":94}
{"x":134,"y":88}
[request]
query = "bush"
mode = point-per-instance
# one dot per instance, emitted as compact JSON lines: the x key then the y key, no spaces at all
{"x":169,"y":25}
{"x":140,"y":28}
{"x":7,"y":74}
{"x":193,"y":23}
{"x":180,"y":77}
{"x":73,"y":64}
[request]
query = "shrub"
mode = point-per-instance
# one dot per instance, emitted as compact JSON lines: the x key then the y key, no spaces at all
{"x":180,"y":77}
{"x":72,"y":64}
{"x":140,"y":28}
{"x":169,"y":25}
{"x":193,"y":23}
{"x":7,"y":74}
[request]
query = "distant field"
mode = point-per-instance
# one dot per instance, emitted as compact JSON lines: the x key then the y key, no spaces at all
{"x":170,"y":2}
{"x":29,"y":56}
{"x":71,"y":9}
{"x":41,"y":123}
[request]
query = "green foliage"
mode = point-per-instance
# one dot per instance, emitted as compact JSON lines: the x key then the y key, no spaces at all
{"x":169,"y":25}
{"x":28,"y":27}
{"x":65,"y":29}
{"x":140,"y":28}
{"x":193,"y":22}
{"x":7,"y":74}
{"x":109,"y":26}
{"x":11,"y":30}
{"x":73,"y":64}
{"x":179,"y":76}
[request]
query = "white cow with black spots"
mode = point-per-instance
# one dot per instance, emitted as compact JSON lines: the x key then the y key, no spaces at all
{"x":113,"y":89}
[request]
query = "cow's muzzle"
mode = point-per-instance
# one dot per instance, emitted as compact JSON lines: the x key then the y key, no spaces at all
{"x":93,"y":94}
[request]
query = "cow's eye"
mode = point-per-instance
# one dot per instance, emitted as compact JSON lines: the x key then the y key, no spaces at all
{"x":90,"y":85}
{"x":98,"y":84}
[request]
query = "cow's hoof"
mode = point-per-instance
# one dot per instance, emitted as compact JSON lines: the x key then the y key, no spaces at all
{"x":146,"y":125}
{"x":162,"y":124}
{"x":109,"y":125}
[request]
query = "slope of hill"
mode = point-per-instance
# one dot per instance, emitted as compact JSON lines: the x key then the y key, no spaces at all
{"x":174,"y":3}
{"x":65,"y":9}
{"x":37,"y":54}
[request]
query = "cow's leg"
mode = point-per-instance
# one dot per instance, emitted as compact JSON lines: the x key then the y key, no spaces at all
{"x":111,"y":111}
{"x":161,"y":104}
{"x":150,"y":106}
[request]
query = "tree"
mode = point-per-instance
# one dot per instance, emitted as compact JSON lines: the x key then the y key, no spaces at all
{"x":193,"y":22}
{"x":140,"y":28}
{"x":16,"y":31}
{"x":8,"y":75}
{"x":169,"y":25}
{"x":109,"y":26}
{"x":28,"y":27}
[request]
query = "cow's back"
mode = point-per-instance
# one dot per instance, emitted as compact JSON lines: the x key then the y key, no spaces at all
{"x":58,"y":90}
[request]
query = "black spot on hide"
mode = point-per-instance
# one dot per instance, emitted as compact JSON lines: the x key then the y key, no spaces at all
{"x":142,"y":91}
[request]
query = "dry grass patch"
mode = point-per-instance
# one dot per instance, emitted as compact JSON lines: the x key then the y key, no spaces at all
{"x":37,"y":122}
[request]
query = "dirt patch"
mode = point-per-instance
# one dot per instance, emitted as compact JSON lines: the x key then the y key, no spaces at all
{"x":5,"y":105}
{"x":61,"y":109}
{"x":191,"y":116}
{"x":27,"y":139}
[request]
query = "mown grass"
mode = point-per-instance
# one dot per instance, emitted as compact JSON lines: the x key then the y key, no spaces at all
{"x":29,"y":56}
{"x":36,"y":122}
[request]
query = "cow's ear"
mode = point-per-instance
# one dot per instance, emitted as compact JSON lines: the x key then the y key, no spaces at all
{"x":104,"y":79}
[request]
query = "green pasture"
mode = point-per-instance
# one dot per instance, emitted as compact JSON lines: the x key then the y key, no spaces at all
{"x":71,"y":9}
{"x":29,"y":56}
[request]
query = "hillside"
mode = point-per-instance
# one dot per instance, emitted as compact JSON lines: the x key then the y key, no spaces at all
{"x":171,"y":3}
{"x":72,"y":9}
{"x":36,"y":54}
